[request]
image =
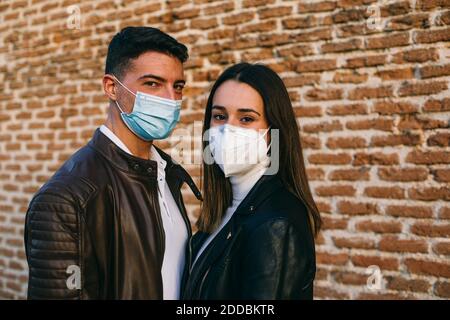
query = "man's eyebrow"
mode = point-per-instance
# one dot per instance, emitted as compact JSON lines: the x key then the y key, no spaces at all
{"x":161,"y":79}
{"x":153,"y":76}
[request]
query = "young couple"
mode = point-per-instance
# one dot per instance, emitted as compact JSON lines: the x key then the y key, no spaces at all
{"x":111,"y":223}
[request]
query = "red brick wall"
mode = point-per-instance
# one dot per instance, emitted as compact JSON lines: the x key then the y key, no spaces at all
{"x":372,"y":101}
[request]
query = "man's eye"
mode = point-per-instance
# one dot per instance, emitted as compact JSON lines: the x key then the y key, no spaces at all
{"x":179,"y":87}
{"x":151,"y":83}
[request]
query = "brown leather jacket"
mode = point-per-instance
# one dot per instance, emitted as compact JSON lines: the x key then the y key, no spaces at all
{"x":94,"y":230}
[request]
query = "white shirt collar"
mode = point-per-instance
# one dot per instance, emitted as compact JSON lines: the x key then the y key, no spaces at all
{"x":154,"y":154}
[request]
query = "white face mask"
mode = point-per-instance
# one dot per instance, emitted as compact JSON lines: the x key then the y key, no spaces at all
{"x":237,"y":150}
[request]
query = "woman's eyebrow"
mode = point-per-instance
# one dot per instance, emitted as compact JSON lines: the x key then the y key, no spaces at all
{"x":218,"y":107}
{"x":244,"y":110}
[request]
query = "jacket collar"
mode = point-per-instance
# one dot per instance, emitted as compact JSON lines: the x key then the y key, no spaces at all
{"x":138,"y":166}
{"x":263,"y":188}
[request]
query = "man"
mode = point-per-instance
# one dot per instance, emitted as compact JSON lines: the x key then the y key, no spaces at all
{"x":111,"y":223}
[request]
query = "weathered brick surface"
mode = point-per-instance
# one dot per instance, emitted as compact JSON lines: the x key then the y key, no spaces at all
{"x":372,"y":104}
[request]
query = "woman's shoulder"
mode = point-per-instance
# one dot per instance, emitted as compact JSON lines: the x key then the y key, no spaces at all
{"x":282,"y":209}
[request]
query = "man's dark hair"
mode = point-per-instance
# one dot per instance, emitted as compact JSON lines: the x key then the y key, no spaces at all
{"x":131,"y":42}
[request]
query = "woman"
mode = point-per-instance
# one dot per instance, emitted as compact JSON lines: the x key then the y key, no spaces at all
{"x":257,"y":226}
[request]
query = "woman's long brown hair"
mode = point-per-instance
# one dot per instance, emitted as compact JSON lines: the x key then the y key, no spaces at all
{"x":280,"y":115}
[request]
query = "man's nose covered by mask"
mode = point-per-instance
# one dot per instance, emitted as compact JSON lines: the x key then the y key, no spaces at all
{"x":152,"y":117}
{"x":237,"y":150}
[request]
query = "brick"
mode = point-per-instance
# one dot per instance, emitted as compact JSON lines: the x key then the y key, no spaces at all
{"x":309,"y":142}
{"x":395,"y":140}
{"x":395,"y":74}
{"x":434,"y":71}
{"x":315,"y":35}
{"x":347,"y":109}
{"x":391,"y":107}
{"x":441,"y":175}
{"x":256,"y":3}
{"x":330,"y":258}
{"x":385,"y":192}
{"x":354,"y":242}
{"x":308,"y":111}
{"x":330,"y":223}
{"x":439,"y":139}
{"x":421,"y":88}
{"x":350,"y":278}
{"x":374,"y":124}
{"x":207,"y":23}
{"x":428,"y":229}
{"x":370,"y":93}
{"x":323,"y":127}
{"x":350,"y":174}
{"x":382,"y":263}
{"x":416,"y":55}
{"x":429,"y":194}
{"x":334,"y":159}
{"x":428,"y":157}
{"x":272,"y":12}
{"x":444,"y":213}
{"x":323,"y":94}
{"x":376,"y":158}
{"x":366,"y":61}
{"x":432,"y":36}
{"x":316,"y":65}
{"x":316,"y":7}
{"x":337,"y":190}
{"x":442,"y":289}
{"x":349,"y":77}
{"x":238,"y":18}
{"x":346,"y":143}
{"x":424,"y":267}
{"x":315,"y":174}
{"x":259,"y":27}
{"x":403,"y":174}
{"x":343,"y":46}
{"x":299,"y":22}
{"x":350,"y":15}
{"x":379,"y":226}
{"x":437,"y":105}
{"x":390,"y":41}
{"x":395,"y":244}
{"x":408,"y":285}
{"x":296,"y":51}
{"x":356,"y":208}
{"x":442,"y":248}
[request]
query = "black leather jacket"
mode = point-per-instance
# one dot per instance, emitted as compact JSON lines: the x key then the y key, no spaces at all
{"x":265,"y":251}
{"x":98,"y":218}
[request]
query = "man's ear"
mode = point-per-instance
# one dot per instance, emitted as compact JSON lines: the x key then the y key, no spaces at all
{"x":109,"y":86}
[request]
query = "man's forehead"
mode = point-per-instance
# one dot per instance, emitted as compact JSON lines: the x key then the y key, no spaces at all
{"x":158,"y":64}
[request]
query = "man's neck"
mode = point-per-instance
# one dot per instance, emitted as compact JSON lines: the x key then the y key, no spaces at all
{"x":138,"y":147}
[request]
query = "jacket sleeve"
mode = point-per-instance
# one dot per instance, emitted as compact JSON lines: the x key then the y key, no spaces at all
{"x":53,"y":245}
{"x":279,"y":262}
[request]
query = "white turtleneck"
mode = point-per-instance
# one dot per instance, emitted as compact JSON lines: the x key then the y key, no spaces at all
{"x":241,"y":186}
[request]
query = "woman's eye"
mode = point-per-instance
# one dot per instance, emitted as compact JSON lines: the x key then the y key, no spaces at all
{"x":219,"y":117}
{"x":247,"y":119}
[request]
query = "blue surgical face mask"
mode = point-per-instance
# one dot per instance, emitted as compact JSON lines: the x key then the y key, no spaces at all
{"x":153,"y":117}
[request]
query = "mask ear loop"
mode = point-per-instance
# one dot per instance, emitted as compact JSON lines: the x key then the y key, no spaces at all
{"x":118,"y":106}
